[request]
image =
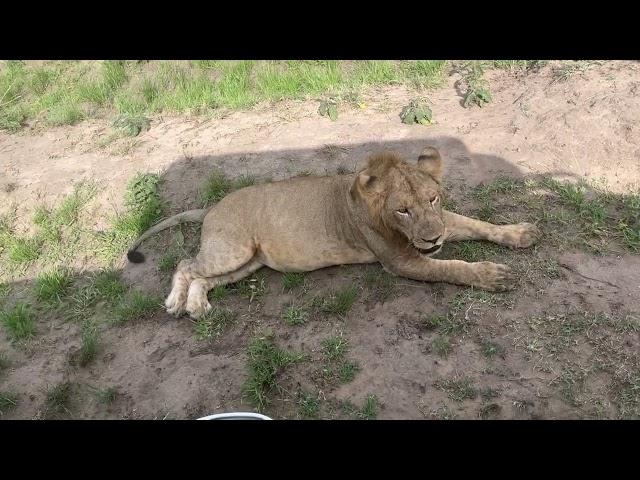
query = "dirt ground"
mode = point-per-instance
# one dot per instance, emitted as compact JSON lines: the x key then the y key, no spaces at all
{"x":584,"y":127}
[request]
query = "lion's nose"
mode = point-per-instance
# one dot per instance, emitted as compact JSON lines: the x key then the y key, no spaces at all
{"x":433,"y":240}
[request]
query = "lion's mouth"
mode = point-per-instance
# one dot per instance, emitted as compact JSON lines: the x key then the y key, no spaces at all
{"x":427,"y":251}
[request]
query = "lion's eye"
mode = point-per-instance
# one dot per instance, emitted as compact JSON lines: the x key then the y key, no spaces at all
{"x":403,"y":211}
{"x":434,"y":200}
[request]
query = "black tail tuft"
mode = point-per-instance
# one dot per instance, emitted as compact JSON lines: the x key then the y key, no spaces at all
{"x":135,"y":257}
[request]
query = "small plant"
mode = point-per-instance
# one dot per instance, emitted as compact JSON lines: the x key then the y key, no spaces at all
{"x":294,"y":315}
{"x":22,"y":251}
{"x":491,"y":349}
{"x":219,"y":292}
{"x":218,"y":186}
{"x":108,"y":285}
{"x":19,"y":322}
{"x":144,"y":208}
{"x":477,"y":88}
{"x":252,"y":288}
{"x":211,"y":325}
{"x":335,"y":348}
{"x":136,"y":307}
{"x":442,"y":345}
{"x":168,"y":261}
{"x":131,"y":125}
{"x":89,"y":347}
{"x":348,"y":371}
{"x":4,"y":362}
{"x":369,"y":410}
{"x":329,"y":108}
{"x":337,"y":303}
{"x":457,"y":388}
{"x":434,"y":321}
{"x":8,"y":401}
{"x":59,"y":398}
{"x":291,"y":280}
{"x":106,"y":396}
{"x":142,"y":190}
{"x":416,"y":112}
{"x":308,"y":405}
{"x":265,"y":362}
{"x":53,"y":285}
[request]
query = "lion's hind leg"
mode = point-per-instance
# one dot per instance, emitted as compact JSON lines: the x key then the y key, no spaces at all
{"x":217,"y":257}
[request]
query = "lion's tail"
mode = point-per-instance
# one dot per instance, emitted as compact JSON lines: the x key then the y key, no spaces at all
{"x":195,"y":216}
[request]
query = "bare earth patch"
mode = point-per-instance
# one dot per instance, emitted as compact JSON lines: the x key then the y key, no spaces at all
{"x":564,"y":344}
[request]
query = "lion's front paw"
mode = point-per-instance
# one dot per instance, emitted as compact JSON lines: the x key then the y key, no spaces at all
{"x":175,"y":304}
{"x":494,"y":277}
{"x":198,"y":306}
{"x":521,"y":235}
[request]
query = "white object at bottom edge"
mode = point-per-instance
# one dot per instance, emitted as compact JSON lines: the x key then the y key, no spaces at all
{"x":236,"y":416}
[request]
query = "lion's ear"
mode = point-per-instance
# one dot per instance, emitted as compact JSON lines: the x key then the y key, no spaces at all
{"x":366,"y":183}
{"x":431,"y":162}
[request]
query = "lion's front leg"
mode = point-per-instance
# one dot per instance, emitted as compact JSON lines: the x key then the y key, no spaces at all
{"x":459,"y":227}
{"x":490,"y":276}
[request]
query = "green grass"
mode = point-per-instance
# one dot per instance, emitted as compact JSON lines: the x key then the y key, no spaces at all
{"x":447,"y":325}
{"x":66,"y":92}
{"x":308,"y":405}
{"x":58,"y":399}
{"x":89,"y":346}
{"x":489,"y":410}
{"x":8,"y":401}
{"x":212,"y":325}
{"x":143,"y":209}
{"x":517,"y":64}
{"x":104,"y":285}
{"x":4,"y":290}
{"x":443,"y":413}
{"x":22,"y":251}
{"x":220,"y":292}
{"x":575,"y":214}
{"x":168,"y":261}
{"x":292,"y":280}
{"x":347,"y":371}
{"x":335,"y":348}
{"x":336,"y":302}
{"x":442,"y":345}
{"x":217,"y":186}
{"x":369,"y":410}
{"x":477,"y":88}
{"x":5,"y":363}
{"x":53,"y":285}
{"x":491,"y":349}
{"x":457,"y":388}
{"x":265,"y":360}
{"x":253,"y":288}
{"x":106,"y":396}
{"x":136,"y":306}
{"x":293,"y":315}
{"x":474,"y":250}
{"x":19,"y":322}
{"x":108,"y":285}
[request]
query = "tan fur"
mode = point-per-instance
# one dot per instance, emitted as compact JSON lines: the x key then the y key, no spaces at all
{"x":389,"y":212}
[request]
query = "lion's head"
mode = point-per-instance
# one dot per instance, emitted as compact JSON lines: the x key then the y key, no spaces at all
{"x":404,"y":200}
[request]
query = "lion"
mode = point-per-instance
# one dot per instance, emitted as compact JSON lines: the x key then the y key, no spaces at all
{"x":388,"y":212}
